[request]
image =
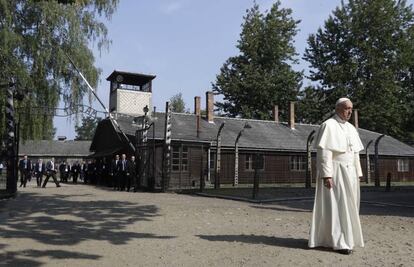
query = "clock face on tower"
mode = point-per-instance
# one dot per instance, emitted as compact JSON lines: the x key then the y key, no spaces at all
{"x":119,"y":78}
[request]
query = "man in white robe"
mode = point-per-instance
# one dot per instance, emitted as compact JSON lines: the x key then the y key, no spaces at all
{"x":335,"y":218}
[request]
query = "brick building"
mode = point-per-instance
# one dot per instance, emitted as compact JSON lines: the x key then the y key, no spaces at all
{"x":280,"y":146}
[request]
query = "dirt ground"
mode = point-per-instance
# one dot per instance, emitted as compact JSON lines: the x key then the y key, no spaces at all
{"x":79,"y":225}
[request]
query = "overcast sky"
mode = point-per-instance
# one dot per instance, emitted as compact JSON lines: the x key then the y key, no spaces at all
{"x":185,"y":42}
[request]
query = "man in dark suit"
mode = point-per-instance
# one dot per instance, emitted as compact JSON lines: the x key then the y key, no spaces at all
{"x":61,"y":171}
{"x":104,"y":172}
{"x":39,"y":171}
{"x":51,"y":171}
{"x":90,"y":172}
{"x":25,"y":167}
{"x":115,"y":172}
{"x":131,"y":178}
{"x":84,"y":171}
{"x":66,"y":172}
{"x":123,"y":167}
{"x":76,"y":169}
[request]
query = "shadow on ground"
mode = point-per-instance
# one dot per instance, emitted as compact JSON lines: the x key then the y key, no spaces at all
{"x":28,"y":257}
{"x":61,"y":220}
{"x":287,"y":242}
{"x":398,"y":202}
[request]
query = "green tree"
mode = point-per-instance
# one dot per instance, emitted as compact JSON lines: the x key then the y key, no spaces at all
{"x":35,"y":35}
{"x":87,"y":129}
{"x":177,"y":103}
{"x":261,"y":75}
{"x":365,"y":51}
{"x":311,"y":107}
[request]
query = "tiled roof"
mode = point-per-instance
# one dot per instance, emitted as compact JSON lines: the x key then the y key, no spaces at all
{"x":260,"y":134}
{"x":54,"y":148}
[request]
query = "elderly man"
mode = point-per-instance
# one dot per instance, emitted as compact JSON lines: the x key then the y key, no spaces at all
{"x":335,"y":218}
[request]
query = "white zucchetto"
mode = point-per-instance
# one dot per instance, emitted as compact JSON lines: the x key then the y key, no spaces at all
{"x":341,"y":100}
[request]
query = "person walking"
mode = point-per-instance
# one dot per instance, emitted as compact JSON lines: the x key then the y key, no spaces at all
{"x":123,"y":167}
{"x":335,"y":218}
{"x":115,"y":173}
{"x":51,"y":172}
{"x":25,"y":168}
{"x":131,"y":174}
{"x":76,"y":169}
{"x":39,"y":171}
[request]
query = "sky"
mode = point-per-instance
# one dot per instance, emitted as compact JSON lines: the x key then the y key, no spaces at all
{"x":184,"y":43}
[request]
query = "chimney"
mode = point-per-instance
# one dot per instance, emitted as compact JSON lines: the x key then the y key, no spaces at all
{"x":355,"y":111}
{"x":197,"y":112}
{"x":275,"y":113}
{"x":210,"y":106}
{"x":197,"y":105}
{"x":291,"y":121}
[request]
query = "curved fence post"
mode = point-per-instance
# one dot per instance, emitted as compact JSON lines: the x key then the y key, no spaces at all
{"x":218,"y":157}
{"x":377,"y":179}
{"x":367,"y":164}
{"x":308,"y":180}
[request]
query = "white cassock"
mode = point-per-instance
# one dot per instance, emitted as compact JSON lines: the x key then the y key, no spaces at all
{"x":335,"y":218}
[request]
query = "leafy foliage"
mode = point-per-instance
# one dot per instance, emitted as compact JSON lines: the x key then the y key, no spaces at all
{"x":177,"y":103}
{"x":35,"y":35}
{"x":86,"y":131}
{"x":261,"y":75}
{"x":311,"y":107}
{"x":366,"y":51}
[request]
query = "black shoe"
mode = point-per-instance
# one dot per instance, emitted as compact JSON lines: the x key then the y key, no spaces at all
{"x":58,"y":186}
{"x":345,"y":251}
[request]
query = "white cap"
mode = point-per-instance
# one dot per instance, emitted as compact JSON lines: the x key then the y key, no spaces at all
{"x":341,"y":100}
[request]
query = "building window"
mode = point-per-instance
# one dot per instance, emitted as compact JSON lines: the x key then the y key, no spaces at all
{"x":212,"y":161}
{"x":175,"y":158}
{"x":146,"y":87}
{"x":179,"y":158}
{"x":249,"y":163}
{"x":114,"y":86}
{"x":403,"y":165}
{"x":184,"y":159}
{"x":297,"y":163}
{"x":128,"y":87}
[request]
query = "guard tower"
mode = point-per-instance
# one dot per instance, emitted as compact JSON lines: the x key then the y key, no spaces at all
{"x":130,"y":92}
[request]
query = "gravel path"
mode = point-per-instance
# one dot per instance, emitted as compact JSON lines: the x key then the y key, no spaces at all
{"x":78,"y":225}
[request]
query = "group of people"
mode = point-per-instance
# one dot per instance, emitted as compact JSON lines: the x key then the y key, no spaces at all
{"x":66,"y":171}
{"x":38,"y":170}
{"x":124,"y":173}
{"x":119,"y":174}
